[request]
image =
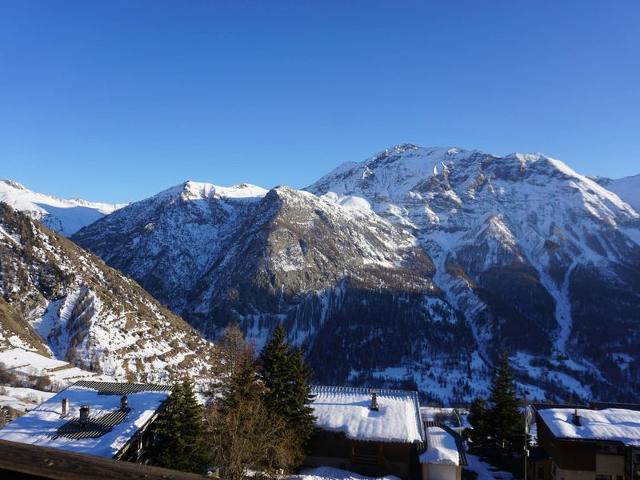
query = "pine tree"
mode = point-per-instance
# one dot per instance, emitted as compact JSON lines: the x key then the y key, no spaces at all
{"x":278,"y":373}
{"x":242,"y":434}
{"x":177,"y":432}
{"x":303,"y":416}
{"x":286,"y":377}
{"x":506,"y":424}
{"x":478,"y":418}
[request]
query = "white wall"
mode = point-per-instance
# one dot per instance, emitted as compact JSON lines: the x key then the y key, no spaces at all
{"x":432,"y":471}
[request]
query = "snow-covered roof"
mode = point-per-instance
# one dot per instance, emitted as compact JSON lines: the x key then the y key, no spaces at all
{"x":441,"y":447}
{"x":346,"y":409}
{"x":45,"y":426}
{"x":610,"y":424}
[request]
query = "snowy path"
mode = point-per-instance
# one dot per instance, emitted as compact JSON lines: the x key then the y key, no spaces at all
{"x":484,"y":470}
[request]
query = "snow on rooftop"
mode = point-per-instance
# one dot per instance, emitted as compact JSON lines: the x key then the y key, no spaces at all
{"x":345,"y":409}
{"x":441,"y":447}
{"x":330,"y":473}
{"x":611,"y":424}
{"x":40,"y":425}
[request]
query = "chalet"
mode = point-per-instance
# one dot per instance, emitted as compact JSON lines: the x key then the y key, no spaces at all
{"x":368,"y":431}
{"x":586,"y":444}
{"x":444,"y":455}
{"x":97,"y":418}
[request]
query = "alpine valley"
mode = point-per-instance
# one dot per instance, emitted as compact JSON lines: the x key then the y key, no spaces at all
{"x":416,"y":267}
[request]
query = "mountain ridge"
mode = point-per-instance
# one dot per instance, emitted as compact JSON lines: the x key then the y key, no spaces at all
{"x":491,"y":243}
{"x":66,"y":216}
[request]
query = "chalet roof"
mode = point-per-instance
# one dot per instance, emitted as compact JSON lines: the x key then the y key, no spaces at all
{"x":609,"y":424}
{"x":346,"y":409}
{"x":109,"y":427}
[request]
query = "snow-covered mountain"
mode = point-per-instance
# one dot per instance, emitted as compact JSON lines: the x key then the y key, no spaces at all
{"x":627,"y":188}
{"x":64,"y":216}
{"x":415,"y":267}
{"x":58,"y":300}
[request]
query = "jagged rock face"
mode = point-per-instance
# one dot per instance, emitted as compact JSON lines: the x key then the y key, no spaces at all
{"x":415,"y":267}
{"x":87,"y":313}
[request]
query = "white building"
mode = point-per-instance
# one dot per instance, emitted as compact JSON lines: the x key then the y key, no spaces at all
{"x":442,"y":459}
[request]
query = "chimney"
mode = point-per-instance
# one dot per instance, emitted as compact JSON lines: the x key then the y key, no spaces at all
{"x":374,"y":402}
{"x":65,"y":407}
{"x":84,"y":414}
{"x":124,"y":402}
{"x":576,"y":418}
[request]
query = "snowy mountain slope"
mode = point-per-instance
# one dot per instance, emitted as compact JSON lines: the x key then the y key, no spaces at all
{"x":168,"y":241}
{"x":87,"y":313}
{"x":627,"y":188}
{"x":333,"y":274}
{"x":517,"y":240}
{"x":64,"y":216}
{"x":416,"y":267}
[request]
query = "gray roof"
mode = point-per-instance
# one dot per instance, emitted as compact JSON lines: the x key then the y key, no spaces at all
{"x":94,"y":427}
{"x":115,"y":388}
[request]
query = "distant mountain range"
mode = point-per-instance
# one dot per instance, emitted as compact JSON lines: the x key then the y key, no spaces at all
{"x":63,"y":216}
{"x":416,"y":267}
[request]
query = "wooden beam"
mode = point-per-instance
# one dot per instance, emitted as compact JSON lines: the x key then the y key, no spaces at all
{"x":55,"y":464}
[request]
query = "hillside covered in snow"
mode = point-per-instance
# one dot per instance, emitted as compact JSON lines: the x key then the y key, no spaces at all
{"x":60,"y":301}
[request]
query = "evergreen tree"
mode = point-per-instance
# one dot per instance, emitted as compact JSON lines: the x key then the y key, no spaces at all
{"x":506,"y":423}
{"x":177,"y":432}
{"x":242,"y":434}
{"x":302,"y":416}
{"x":278,"y":373}
{"x":478,"y":418}
{"x":286,"y":377}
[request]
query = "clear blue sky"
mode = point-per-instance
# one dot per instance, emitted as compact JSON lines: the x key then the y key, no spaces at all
{"x":116,"y":100}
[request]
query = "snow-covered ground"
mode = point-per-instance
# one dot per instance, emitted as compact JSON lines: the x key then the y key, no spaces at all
{"x":484,"y":470}
{"x":21,"y":398}
{"x":29,"y":365}
{"x":329,"y":473}
{"x":60,"y":373}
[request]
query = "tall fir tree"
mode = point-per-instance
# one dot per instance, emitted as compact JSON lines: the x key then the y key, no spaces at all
{"x":478,"y":418}
{"x":242,"y":434}
{"x":177,"y":432}
{"x":286,"y":377}
{"x":506,"y":424}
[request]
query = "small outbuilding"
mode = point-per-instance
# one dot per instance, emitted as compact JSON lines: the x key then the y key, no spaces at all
{"x":96,"y":418}
{"x":374,"y":432}
{"x":444,"y":456}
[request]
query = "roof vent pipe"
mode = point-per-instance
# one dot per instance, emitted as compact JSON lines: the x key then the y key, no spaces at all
{"x":576,"y":418}
{"x":84,"y":415}
{"x":374,"y":402}
{"x":124,"y":402}
{"x":65,"y":407}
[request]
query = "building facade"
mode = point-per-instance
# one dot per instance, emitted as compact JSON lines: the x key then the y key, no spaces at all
{"x":586,"y":444}
{"x":373,"y":432}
